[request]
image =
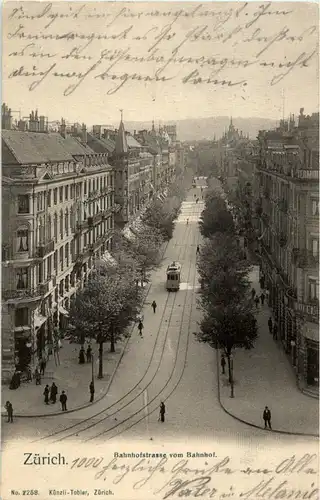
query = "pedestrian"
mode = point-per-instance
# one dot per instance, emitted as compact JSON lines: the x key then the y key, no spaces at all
{"x":198,"y":249}
{"x":223,"y":364}
{"x":267,"y":418}
{"x":194,"y":195}
{"x":140,"y":327}
{"x":187,"y":221}
{"x":262,"y":297}
{"x":8,"y":406}
{"x":162,"y":411}
{"x":270,"y":325}
{"x":43,"y":365}
{"x":257,"y":301}
{"x":89,"y":354}
{"x":262,"y":280}
{"x":275,"y":332}
{"x":46,"y":394}
{"x":63,"y":401}
{"x":53,"y":393}
{"x":37,"y":376}
{"x":91,"y":389}
{"x":154,"y":306}
{"x":197,"y":200}
{"x":81,"y":356}
{"x":253,"y":292}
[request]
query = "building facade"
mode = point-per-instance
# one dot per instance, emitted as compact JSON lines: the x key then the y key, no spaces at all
{"x":286,"y":195}
{"x":57,"y":218}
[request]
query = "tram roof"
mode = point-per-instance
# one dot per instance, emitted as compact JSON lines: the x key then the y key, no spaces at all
{"x":175,"y":266}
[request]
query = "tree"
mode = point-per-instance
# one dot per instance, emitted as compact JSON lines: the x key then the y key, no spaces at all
{"x":228,"y":320}
{"x":160,"y":216}
{"x":215,"y":216}
{"x":103,"y":308}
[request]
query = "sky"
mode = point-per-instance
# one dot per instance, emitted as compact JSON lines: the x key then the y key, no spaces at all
{"x":167,"y":61}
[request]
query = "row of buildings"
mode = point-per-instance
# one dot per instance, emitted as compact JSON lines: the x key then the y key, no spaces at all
{"x":63,"y":195}
{"x":276,"y":179}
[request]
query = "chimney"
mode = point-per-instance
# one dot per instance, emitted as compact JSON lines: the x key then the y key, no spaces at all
{"x":84,"y":135}
{"x":96,"y":130}
{"x":62,"y":128}
{"x":22,"y":126}
{"x":42,"y":126}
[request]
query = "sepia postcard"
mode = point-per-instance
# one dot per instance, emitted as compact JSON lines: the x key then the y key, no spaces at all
{"x":160,"y":250}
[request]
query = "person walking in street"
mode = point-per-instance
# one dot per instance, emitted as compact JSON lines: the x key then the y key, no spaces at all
{"x":270,"y":325}
{"x":275,"y":332}
{"x":140,"y":327}
{"x":8,"y":406}
{"x":53,"y":393}
{"x":154,"y":306}
{"x":162,"y":411}
{"x":43,"y":365}
{"x":89,"y":354}
{"x":91,"y":389}
{"x":223,"y":364}
{"x":261,"y":281}
{"x":46,"y":394}
{"x":257,"y":301}
{"x":198,"y":249}
{"x":197,"y":200}
{"x":262,"y":297}
{"x":267,"y":418}
{"x":63,"y":401}
{"x":253,"y":292}
{"x":81,"y":356}
{"x":187,"y":220}
{"x":37,"y":376}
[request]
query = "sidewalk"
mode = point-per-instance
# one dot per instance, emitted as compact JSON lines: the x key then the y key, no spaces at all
{"x":69,"y":376}
{"x":263,"y":377}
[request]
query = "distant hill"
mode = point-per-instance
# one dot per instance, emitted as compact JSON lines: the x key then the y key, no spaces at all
{"x":205,"y":128}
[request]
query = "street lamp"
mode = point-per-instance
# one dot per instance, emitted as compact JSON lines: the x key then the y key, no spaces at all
{"x":231,"y":381}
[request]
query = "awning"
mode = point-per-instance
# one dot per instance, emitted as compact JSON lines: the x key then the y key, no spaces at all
{"x":63,"y":311}
{"x":39,"y":320}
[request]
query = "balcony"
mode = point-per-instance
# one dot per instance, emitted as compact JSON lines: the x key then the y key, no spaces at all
{"x":43,"y":250}
{"x":25,"y":295}
{"x":47,"y":286}
{"x":304,"y":258}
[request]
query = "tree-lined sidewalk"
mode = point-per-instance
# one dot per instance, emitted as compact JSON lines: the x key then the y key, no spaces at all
{"x":264,"y":377}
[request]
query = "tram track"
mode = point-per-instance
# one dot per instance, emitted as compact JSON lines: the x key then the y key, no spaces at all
{"x":159,"y":393}
{"x":146,"y":373}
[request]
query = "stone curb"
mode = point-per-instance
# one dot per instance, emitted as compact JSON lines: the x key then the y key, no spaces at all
{"x":249,"y":423}
{"x":39,"y":415}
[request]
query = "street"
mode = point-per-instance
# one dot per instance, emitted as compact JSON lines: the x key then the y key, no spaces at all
{"x":167,"y":364}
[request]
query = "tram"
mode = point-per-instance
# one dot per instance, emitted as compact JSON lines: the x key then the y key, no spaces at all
{"x":173,"y":276}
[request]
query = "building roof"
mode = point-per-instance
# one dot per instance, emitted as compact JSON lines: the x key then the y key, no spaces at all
{"x":75,"y":147}
{"x":132,"y":143}
{"x":35,"y":147}
{"x":101,"y":145}
{"x":121,"y":140}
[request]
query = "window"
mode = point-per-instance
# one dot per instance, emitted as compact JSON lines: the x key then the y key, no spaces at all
{"x":61,"y":194}
{"x":55,"y":196}
{"x":49,"y":198}
{"x":61,"y":224}
{"x":55,"y":260}
{"x":49,"y":267}
{"x":66,"y":192}
{"x":66,"y":253}
{"x":21,"y":316}
{"x":313,"y":289}
{"x":315,"y":247}
{"x":22,"y":278}
{"x":85,"y":187}
{"x":315,"y":207}
{"x":55,"y":227}
{"x":66,"y":222}
{"x":72,"y":192}
{"x":49,"y":228}
{"x":61,"y":258}
{"x":23,"y":204}
{"x":22,"y":240}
